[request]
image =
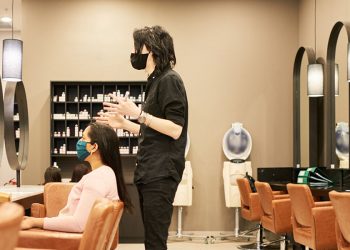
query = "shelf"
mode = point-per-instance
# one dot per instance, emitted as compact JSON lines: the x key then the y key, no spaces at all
{"x":89,"y":89}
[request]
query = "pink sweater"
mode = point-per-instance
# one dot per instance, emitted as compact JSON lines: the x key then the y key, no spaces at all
{"x":100,"y":183}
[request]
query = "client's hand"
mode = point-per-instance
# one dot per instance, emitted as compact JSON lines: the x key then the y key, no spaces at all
{"x":27,"y":223}
{"x":30,"y":222}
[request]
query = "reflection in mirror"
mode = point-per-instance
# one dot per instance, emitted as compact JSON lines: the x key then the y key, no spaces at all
{"x":304,"y":116}
{"x":341,"y":101}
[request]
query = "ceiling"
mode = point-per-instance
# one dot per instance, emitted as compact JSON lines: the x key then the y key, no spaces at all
{"x":5,"y":10}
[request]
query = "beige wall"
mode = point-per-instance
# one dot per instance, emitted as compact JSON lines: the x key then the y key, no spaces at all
{"x":235,"y":57}
{"x":327,"y":14}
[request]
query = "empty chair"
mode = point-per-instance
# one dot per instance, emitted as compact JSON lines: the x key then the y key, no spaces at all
{"x":341,"y":205}
{"x":11,"y":216}
{"x":250,"y":208}
{"x":313,"y":222}
{"x":276,"y":212}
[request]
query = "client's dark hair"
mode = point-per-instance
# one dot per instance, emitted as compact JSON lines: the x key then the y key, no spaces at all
{"x":157,"y":40}
{"x":52,"y":174}
{"x":79,"y":171}
{"x":108,"y":146}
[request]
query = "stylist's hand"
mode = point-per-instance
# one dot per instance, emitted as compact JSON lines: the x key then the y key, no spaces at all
{"x":124,"y":107}
{"x":110,"y":118}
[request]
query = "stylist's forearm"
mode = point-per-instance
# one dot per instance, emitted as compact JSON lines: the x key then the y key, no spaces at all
{"x":164,"y":126}
{"x":131,"y":127}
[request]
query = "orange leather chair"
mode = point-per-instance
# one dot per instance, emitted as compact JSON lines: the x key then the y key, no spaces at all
{"x":250,"y":209}
{"x":11,"y":216}
{"x":276,"y":212}
{"x":313,"y":222}
{"x":55,"y":198}
{"x":341,"y":205}
{"x":102,"y":222}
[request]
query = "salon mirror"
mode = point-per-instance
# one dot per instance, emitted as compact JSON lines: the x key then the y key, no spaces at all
{"x":341,"y":95}
{"x":304,"y":116}
{"x":337,"y":106}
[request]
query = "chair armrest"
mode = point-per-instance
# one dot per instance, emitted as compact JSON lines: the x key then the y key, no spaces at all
{"x":282,"y":214}
{"x":38,"y":210}
{"x":323,"y":203}
{"x":39,"y":238}
{"x":281,"y":196}
{"x":324,"y":227}
{"x":278,"y":192}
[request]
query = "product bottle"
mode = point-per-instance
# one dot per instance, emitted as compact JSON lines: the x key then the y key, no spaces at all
{"x":68,"y":132}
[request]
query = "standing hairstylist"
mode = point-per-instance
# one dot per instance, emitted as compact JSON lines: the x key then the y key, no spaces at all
{"x":162,"y":131}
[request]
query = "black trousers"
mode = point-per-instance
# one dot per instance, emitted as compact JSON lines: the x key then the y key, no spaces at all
{"x":156,"y":202}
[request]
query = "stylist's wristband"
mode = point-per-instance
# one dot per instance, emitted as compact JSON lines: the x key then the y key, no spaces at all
{"x":142,"y":117}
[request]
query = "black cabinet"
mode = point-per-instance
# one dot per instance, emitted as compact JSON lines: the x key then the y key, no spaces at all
{"x":73,"y":105}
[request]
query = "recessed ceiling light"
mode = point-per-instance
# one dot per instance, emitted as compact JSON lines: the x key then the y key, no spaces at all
{"x":6,"y":19}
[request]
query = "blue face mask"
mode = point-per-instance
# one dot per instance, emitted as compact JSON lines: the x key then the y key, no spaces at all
{"x":82,"y":153}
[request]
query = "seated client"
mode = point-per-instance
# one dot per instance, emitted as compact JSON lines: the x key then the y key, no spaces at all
{"x":100,"y":147}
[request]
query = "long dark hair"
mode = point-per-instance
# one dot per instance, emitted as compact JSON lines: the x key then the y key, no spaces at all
{"x":108,"y":146}
{"x":79,"y":171}
{"x":157,"y":40}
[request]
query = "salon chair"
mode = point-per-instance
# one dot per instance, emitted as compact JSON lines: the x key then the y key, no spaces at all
{"x":55,"y":198}
{"x":11,"y":216}
{"x":102,"y":223}
{"x":276,"y":213}
{"x":313,"y":222}
{"x":341,"y":205}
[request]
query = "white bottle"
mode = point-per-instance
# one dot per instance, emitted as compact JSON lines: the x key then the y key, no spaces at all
{"x":80,"y":133}
{"x":55,"y":165}
{"x":68,"y":131}
{"x":76,"y":131}
{"x":55,"y":151}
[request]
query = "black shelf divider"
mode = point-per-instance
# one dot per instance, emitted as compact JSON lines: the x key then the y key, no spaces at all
{"x":79,"y":89}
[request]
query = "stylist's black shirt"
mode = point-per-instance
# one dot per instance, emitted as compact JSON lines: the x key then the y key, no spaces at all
{"x":160,"y":156}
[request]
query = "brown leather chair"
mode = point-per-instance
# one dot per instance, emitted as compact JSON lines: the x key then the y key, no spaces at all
{"x":11,"y":216}
{"x":341,"y":205}
{"x":55,"y":198}
{"x":313,"y":222}
{"x":276,"y":212}
{"x":250,"y":210}
{"x":103,"y":219}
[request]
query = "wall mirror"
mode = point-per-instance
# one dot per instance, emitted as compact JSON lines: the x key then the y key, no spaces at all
{"x":307,"y":114}
{"x":337,"y":97}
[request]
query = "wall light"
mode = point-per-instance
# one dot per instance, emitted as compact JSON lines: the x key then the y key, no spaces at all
{"x":336,"y":80}
{"x":315,"y":80}
{"x":12,"y":60}
{"x":12,"y":55}
{"x":6,"y":19}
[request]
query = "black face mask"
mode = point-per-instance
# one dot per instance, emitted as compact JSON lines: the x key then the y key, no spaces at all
{"x":138,"y":61}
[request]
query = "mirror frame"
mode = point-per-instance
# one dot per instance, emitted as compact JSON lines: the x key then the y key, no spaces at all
{"x":315,"y":114}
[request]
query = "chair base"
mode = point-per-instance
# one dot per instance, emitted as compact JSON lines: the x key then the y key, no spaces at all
{"x":256,"y":246}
